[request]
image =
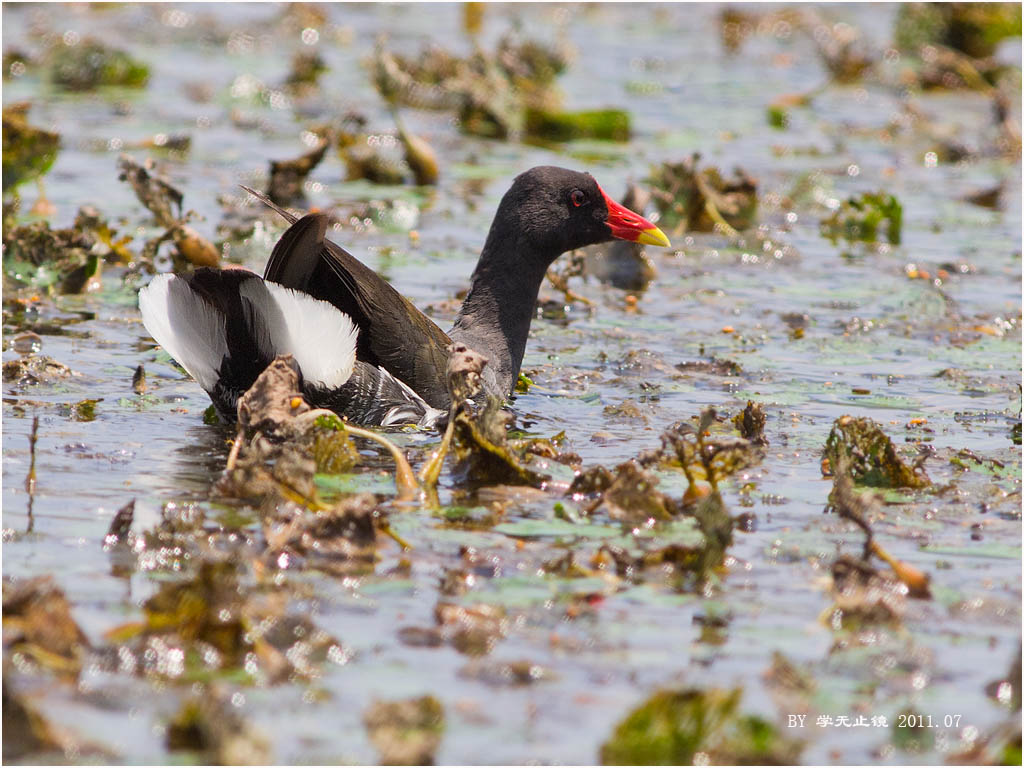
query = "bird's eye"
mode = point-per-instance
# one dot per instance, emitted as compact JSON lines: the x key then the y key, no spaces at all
{"x":578,"y":198}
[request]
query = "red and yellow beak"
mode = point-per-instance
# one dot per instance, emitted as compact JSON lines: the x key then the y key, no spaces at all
{"x":626,"y":225}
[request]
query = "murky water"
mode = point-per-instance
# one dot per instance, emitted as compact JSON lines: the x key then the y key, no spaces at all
{"x":874,"y":343}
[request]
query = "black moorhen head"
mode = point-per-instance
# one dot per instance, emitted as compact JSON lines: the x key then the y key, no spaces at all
{"x":545,"y":213}
{"x":549,"y":210}
{"x":363,"y":349}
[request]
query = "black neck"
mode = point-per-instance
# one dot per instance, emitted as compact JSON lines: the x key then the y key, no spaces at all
{"x":495,"y":317}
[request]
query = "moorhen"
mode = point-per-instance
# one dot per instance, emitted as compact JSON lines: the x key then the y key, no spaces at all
{"x":364,"y":351}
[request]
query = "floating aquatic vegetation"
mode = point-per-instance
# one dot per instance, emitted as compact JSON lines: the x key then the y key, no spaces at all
{"x":844,"y":52}
{"x":750,"y":422}
{"x":333,"y":451}
{"x":674,"y":727}
{"x":287,"y":177}
{"x":707,"y":458}
{"x":34,"y":369}
{"x":630,"y":494}
{"x":971,"y":28}
{"x":505,"y":95}
{"x":307,"y":66}
{"x":277,"y":427}
{"x":37,"y":623}
{"x":470,"y":629}
{"x":28,"y":732}
{"x":367,"y":156}
{"x":164,"y":201}
{"x":90,"y":64}
{"x":28,"y":151}
{"x":484,"y":454}
{"x":604,"y":124}
{"x":139,"y":380}
{"x":341,"y":539}
{"x":872,"y":456}
{"x":31,"y":737}
{"x":63,"y":260}
{"x":212,"y":624}
{"x":505,"y":673}
{"x":16,"y":63}
{"x":860,"y":508}
{"x":866,"y":218}
{"x":406,"y":732}
{"x":692,"y":200}
{"x":863,"y":597}
{"x":419,"y":155}
{"x":211,"y":726}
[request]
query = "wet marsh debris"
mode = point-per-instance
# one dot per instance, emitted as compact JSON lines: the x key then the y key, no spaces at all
{"x":479,"y":435}
{"x":974,"y":29}
{"x":120,"y":527}
{"x":419,"y":155}
{"x":674,"y":727}
{"x":211,"y":726}
{"x":139,"y":380}
{"x":685,"y":567}
{"x":270,"y":433}
{"x":472,"y":629}
{"x":277,"y":426}
{"x":871,"y":455}
{"x":366,"y":156}
{"x":287,"y":177}
{"x":90,"y":64}
{"x":866,"y":218}
{"x":628,"y":494}
{"x":340,"y":540}
{"x":28,"y":151}
{"x":34,"y":369}
{"x":561,"y":126}
{"x":30,"y":737}
{"x":407,"y":731}
{"x":706,"y":458}
{"x":750,"y":423}
{"x":164,"y":201}
{"x":861,"y":508}
{"x":37,"y":623}
{"x":863,"y":597}
{"x":305,"y":71}
{"x":27,"y":731}
{"x":507,"y":94}
{"x":485,"y":455}
{"x":690,"y":199}
{"x":715,"y":366}
{"x":58,"y":260}
{"x":497,"y":673}
{"x":215,"y":620}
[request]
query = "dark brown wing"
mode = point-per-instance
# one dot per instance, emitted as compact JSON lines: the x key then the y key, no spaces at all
{"x":393,"y":334}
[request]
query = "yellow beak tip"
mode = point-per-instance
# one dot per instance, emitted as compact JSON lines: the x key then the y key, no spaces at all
{"x":654,"y":236}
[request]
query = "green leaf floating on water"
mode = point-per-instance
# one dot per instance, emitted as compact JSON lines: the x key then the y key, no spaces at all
{"x":993,"y":550}
{"x":534,"y":529}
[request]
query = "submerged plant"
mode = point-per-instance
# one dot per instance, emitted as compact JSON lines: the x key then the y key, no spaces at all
{"x":866,"y":218}
{"x":91,"y":64}
{"x":673,"y":726}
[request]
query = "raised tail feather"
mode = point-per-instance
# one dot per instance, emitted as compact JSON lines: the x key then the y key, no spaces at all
{"x":225,"y":326}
